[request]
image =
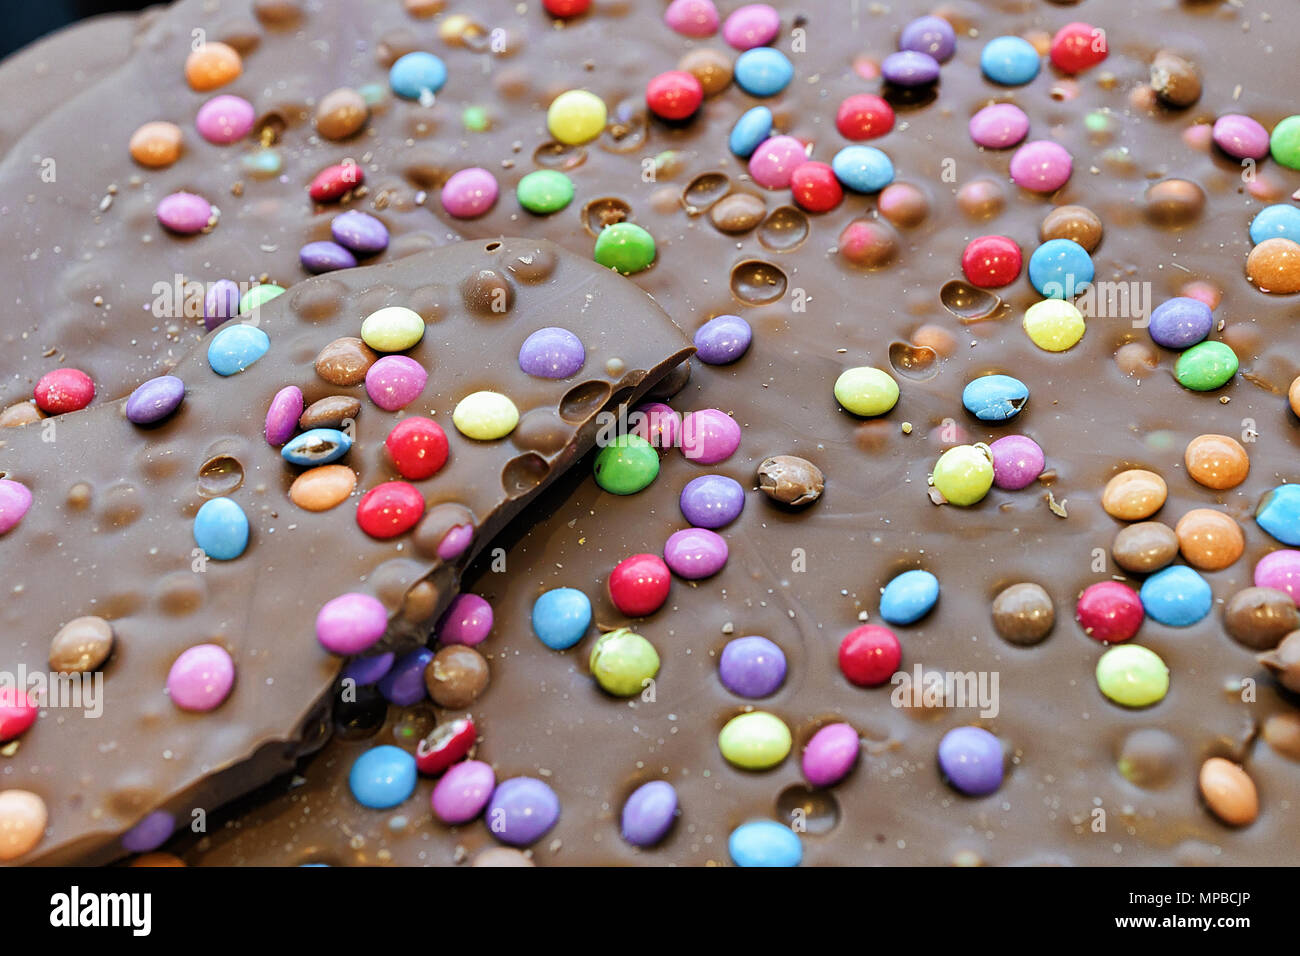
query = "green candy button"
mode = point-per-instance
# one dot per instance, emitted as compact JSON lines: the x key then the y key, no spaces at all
{"x":623,"y":662}
{"x":626,"y":247}
{"x":626,"y":465}
{"x":755,"y":741}
{"x":1206,"y":366}
{"x":1132,"y":676}
{"x":1284,"y":144}
{"x":544,"y":191}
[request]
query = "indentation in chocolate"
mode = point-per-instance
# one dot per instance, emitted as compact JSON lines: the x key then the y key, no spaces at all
{"x":603,"y":212}
{"x":917,"y":362}
{"x":121,"y":505}
{"x":703,"y":191}
{"x":966,"y":301}
{"x":582,"y":401}
{"x":524,"y":473}
{"x":808,"y":810}
{"x":554,"y":155}
{"x":784,"y":230}
{"x":532,"y":265}
{"x":755,"y":282}
{"x":220,"y":475}
{"x":317,"y":301}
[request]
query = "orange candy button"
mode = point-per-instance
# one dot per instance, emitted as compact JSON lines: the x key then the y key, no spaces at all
{"x":322,"y":488}
{"x":1274,"y":266}
{"x":1209,"y":539}
{"x":1217,"y":461}
{"x":22,"y":822}
{"x":212,"y":65}
{"x":156,"y":144}
{"x":1134,"y":494}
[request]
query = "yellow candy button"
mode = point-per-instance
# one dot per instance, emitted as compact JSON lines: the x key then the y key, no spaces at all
{"x":485,"y":416}
{"x":1054,"y":325}
{"x":576,"y":117}
{"x":394,"y":328}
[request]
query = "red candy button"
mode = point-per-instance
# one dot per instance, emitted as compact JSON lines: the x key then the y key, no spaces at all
{"x":1109,"y":612}
{"x":333,"y":181}
{"x":638,"y":585}
{"x":566,"y":8}
{"x":869,"y":655}
{"x":418,"y":447}
{"x":63,"y":390}
{"x":17,"y":712}
{"x":864,"y":116}
{"x":444,"y":746}
{"x":815,"y":187}
{"x":991,"y":262}
{"x":390,"y":509}
{"x":1078,"y":46}
{"x":674,"y":95}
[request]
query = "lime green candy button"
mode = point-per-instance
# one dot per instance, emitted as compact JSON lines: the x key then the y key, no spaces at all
{"x":626,"y":465}
{"x":258,"y":296}
{"x":1206,"y":366}
{"x":485,"y":416}
{"x":623,"y":662}
{"x":394,"y":328}
{"x":475,"y":119}
{"x":1054,"y":325}
{"x":964,"y":474}
{"x":1284,"y":144}
{"x":576,"y":117}
{"x":544,"y":191}
{"x":866,"y":391}
{"x":626,"y":247}
{"x":755,"y":741}
{"x":1132,"y":675}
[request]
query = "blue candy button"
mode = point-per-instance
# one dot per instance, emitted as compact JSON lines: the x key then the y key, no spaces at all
{"x":995,"y":398}
{"x":1060,"y":269}
{"x":1010,"y":61}
{"x":909,"y":597}
{"x":763,"y":71}
{"x":1275,"y":222}
{"x":382,"y":777}
{"x":1279,"y":513}
{"x":416,"y":74}
{"x":221,"y":529}
{"x":236,"y":347}
{"x":1176,"y":596}
{"x":561,"y":617}
{"x":764,"y":843}
{"x":863,"y":169}
{"x":319,"y":446}
{"x":754,"y":126}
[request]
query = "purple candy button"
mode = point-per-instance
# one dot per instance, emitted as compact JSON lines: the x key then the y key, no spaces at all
{"x":521,"y":810}
{"x":404,"y":685}
{"x":201,"y":678}
{"x":467,"y":620}
{"x":1041,"y":166}
{"x":150,"y":833}
{"x":395,"y":381}
{"x":711,"y":501}
{"x":469,"y":193}
{"x":1280,"y":570}
{"x":351,"y":623}
{"x":722,"y":339}
{"x":184,"y":213}
{"x":1240,"y":137}
{"x":1180,"y":322}
{"x":695,"y":553}
{"x":1017,"y":461}
{"x":709,"y":436}
{"x":360,"y":232}
{"x":971,"y":760}
{"x":931,"y":35}
{"x":552,"y":352}
{"x":325,"y":256}
{"x":649,"y":813}
{"x":909,"y":68}
{"x":751,"y":667}
{"x":220,"y":302}
{"x":225,"y":119}
{"x":755,"y":24}
{"x":15,"y":499}
{"x":365,"y":671}
{"x":830,"y":755}
{"x":999,"y":126}
{"x":283,"y":414}
{"x":463,"y":792}
{"x":155,"y":399}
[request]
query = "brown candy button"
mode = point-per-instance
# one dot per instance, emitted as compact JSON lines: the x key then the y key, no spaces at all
{"x":737,"y":213}
{"x":212,"y":65}
{"x":341,"y":113}
{"x":332,"y":411}
{"x":345,"y":361}
{"x":423,"y":8}
{"x":1282,"y":733}
{"x":83,"y":644}
{"x":711,"y":67}
{"x":323,"y":487}
{"x":1260,"y":617}
{"x":1145,"y":547}
{"x":1284,"y":661}
{"x":1217,"y":461}
{"x":456,"y":676}
{"x":790,"y":480}
{"x":981,"y":199}
{"x":1274,"y":266}
{"x":1209,"y":539}
{"x":277,"y":13}
{"x":1076,"y":223}
{"x":1150,"y":758}
{"x":1175,"y":80}
{"x":1174,"y":202}
{"x":1229,"y":792}
{"x":903,"y":204}
{"x":157,"y":859}
{"x":1023,"y":614}
{"x":22,"y":822}
{"x":1134,"y":494}
{"x":488,"y":292}
{"x":19,"y":414}
{"x":156,"y":144}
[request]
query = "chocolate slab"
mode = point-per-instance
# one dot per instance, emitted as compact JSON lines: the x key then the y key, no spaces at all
{"x":110,"y":529}
{"x":542,"y":714}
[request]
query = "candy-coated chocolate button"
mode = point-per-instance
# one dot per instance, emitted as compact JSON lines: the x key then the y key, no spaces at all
{"x":1176,"y":596}
{"x":393,"y":328}
{"x":1217,"y":461}
{"x":417,"y":76}
{"x":81,"y":645}
{"x":221,"y":529}
{"x":282,"y":415}
{"x":552,"y":352}
{"x":695,"y":553}
{"x":995,"y":398}
{"x":625,"y":247}
{"x":1278,"y":513}
{"x":1109,"y":612}
{"x":639,"y":585}
{"x":522,"y":810}
{"x":1229,"y":792}
{"x":323,"y":488}
{"x":626,"y":465}
{"x":755,"y":741}
{"x":751,"y":667}
{"x":1210,"y":540}
{"x":156,"y":144}
{"x":395,"y":381}
{"x":623,"y":662}
{"x":1132,"y":675}
{"x":1054,"y":325}
{"x":15,"y":500}
{"x":22,"y":822}
{"x":963,"y":475}
{"x":463,"y":792}
{"x":1134,"y":494}
{"x":63,"y":390}
{"x":201,"y":678}
{"x":764,"y":843}
{"x":382,"y":777}
{"x":576,"y":117}
{"x":320,"y":446}
{"x":866,"y":391}
{"x":561,"y":617}
{"x":235,"y":347}
{"x":211,"y":65}
{"x":909,"y":596}
{"x":154,"y":400}
{"x":185,"y":213}
{"x":869,"y":655}
{"x":418,"y":447}
{"x":1206,"y":366}
{"x":544,"y":191}
{"x":709,"y":436}
{"x":390,"y":509}
{"x":972,"y":760}
{"x":351,"y":623}
{"x":649,"y":813}
{"x":830,"y":754}
{"x":485,"y":416}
